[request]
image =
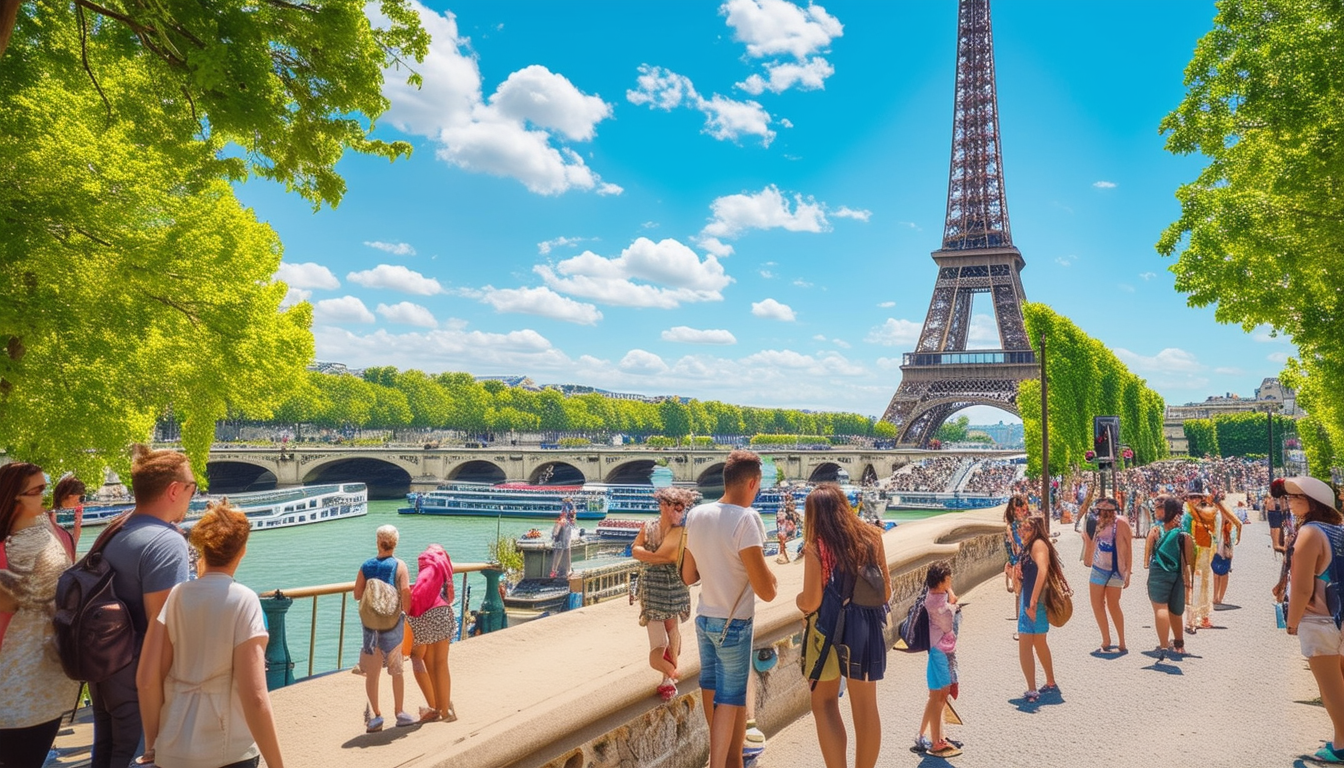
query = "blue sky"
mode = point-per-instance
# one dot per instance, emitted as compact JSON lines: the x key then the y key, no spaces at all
{"x":737,"y":200}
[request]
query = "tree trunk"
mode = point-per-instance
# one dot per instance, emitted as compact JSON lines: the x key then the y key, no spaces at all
{"x":9,"y":15}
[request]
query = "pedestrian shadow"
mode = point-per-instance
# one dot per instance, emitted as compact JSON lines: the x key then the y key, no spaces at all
{"x":1025,"y":705}
{"x":1163,"y":664}
{"x":1109,"y":655}
{"x":1226,"y":607}
{"x":381,"y":738}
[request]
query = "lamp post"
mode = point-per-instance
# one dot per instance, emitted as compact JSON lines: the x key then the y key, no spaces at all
{"x":1045,"y":442}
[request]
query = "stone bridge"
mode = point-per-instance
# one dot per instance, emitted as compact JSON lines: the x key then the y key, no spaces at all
{"x":423,"y":469}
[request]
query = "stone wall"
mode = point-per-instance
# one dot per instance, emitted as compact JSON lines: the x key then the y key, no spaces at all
{"x":675,"y":735}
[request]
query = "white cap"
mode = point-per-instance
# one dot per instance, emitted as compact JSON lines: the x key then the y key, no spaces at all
{"x":1310,"y":486}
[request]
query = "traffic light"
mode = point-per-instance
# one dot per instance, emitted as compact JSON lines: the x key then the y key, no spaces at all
{"x":1105,"y":438}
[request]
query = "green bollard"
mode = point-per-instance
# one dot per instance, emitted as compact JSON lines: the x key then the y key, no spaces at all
{"x":492,"y":606}
{"x":279,"y":665}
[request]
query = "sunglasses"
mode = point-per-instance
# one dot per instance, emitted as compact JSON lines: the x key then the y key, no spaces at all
{"x":36,"y":490}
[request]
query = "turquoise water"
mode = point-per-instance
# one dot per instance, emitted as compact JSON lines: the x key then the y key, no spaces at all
{"x":331,"y":553}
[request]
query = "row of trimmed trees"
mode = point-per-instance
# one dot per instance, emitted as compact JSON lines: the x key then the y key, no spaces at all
{"x":1086,"y":380}
{"x":1237,"y":434}
{"x":386,"y":398}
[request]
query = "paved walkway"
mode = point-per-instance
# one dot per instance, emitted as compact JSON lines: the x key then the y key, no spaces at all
{"x":1238,"y":700}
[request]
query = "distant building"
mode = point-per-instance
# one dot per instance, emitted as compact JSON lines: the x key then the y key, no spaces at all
{"x":335,"y":369}
{"x":581,"y":389}
{"x":1003,"y":435}
{"x":1271,"y":395}
{"x":521,"y":382}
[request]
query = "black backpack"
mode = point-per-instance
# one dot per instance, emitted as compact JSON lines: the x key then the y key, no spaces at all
{"x":1334,"y":588}
{"x":95,"y":635}
{"x":914,"y":630}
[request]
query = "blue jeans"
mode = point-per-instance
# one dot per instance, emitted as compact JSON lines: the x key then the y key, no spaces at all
{"x":725,"y":658}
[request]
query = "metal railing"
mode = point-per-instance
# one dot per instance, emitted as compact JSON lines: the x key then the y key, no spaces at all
{"x":277,"y":601}
{"x":978,"y":357}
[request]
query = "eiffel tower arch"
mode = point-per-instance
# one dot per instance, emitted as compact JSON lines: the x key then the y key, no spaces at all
{"x":941,"y":376}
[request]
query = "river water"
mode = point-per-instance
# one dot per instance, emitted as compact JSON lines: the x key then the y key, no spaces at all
{"x":331,"y":553}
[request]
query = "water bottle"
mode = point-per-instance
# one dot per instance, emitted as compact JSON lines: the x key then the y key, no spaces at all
{"x":1280,"y":616}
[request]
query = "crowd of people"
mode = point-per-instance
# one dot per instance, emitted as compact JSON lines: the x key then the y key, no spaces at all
{"x":993,"y":476}
{"x":176,"y":676}
{"x":193,"y":693}
{"x":933,"y":474}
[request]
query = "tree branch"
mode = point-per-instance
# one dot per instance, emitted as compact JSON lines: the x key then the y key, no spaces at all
{"x":84,"y":59}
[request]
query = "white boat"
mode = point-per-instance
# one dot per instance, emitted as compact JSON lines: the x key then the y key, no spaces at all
{"x":287,"y":508}
{"x":508,"y":500}
{"x":628,"y":499}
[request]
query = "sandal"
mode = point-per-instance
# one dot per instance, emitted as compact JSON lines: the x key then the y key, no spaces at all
{"x":1178,"y":647}
{"x":1326,"y":755}
{"x":944,"y":749}
{"x":1032,"y":696}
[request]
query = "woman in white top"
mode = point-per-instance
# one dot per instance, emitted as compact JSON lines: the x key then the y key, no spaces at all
{"x":33,"y":689}
{"x":208,"y":707}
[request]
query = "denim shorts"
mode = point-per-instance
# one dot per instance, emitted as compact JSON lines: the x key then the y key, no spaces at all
{"x":725,"y":658}
{"x":386,"y":641}
{"x":1103,"y":577}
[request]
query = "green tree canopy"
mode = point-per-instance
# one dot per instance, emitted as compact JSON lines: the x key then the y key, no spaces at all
{"x":1086,"y":380}
{"x":134,"y":283}
{"x":1261,"y":231}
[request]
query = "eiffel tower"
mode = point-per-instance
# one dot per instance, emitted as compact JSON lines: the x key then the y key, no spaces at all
{"x":942,"y":376}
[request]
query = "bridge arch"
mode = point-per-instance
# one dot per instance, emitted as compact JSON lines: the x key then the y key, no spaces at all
{"x":385,"y":477}
{"x":238,"y":476}
{"x":825,"y":472}
{"x":477,"y":471}
{"x":868,"y":475}
{"x":710,"y":480}
{"x":637,"y":472}
{"x":557,"y":473}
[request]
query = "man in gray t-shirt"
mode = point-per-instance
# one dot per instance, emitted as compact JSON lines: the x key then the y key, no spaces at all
{"x":148,"y":557}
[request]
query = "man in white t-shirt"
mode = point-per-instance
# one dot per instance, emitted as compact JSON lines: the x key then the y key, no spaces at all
{"x":724,"y":551}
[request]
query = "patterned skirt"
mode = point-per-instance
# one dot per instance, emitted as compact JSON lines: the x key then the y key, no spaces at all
{"x":434,"y":625}
{"x":662,"y":595}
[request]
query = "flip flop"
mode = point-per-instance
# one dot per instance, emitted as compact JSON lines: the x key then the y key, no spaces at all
{"x":946,"y":751}
{"x":1326,"y":755}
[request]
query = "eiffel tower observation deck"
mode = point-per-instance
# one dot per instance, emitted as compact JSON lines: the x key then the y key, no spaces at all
{"x":941,"y":376}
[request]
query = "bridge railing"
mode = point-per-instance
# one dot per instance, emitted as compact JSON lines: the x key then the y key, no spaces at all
{"x":276,"y":603}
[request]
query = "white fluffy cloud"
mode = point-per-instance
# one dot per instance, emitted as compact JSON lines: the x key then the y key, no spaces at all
{"x":672,"y":274}
{"x":540,"y":301}
{"x":725,"y":118}
{"x":685,"y":335}
{"x":346,"y":309}
{"x":406,"y":313}
{"x":396,"y":278}
{"x":641,"y":361}
{"x":450,"y":348}
{"x":808,"y":76}
{"x":767,"y":209}
{"x":396,"y":249}
{"x":1171,"y":359}
{"x":294,"y":296}
{"x":845,"y":212}
{"x":546,"y":246}
{"x":773,"y":310}
{"x":895,"y":333}
{"x":984,"y":331}
{"x":514,"y":133}
{"x":773,"y":29}
{"x":1104,"y":184}
{"x":306,"y":275}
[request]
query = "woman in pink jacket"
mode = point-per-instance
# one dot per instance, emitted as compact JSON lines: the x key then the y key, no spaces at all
{"x":433,"y":626}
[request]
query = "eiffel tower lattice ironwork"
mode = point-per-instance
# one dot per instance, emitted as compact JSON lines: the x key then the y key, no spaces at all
{"x":942,"y":376}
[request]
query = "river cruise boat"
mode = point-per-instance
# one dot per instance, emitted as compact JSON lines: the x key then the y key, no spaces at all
{"x":949,"y":501}
{"x":508,"y":500}
{"x":288,"y":507}
{"x":282,"y":508}
{"x":632,"y":499}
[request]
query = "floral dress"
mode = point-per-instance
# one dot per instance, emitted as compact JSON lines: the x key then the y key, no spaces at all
{"x":32,"y":686}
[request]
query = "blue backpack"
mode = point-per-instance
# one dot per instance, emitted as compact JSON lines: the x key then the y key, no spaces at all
{"x":1334,"y":589}
{"x":914,"y":631}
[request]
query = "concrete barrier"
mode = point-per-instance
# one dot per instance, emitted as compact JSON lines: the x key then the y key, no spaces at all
{"x":575,"y":690}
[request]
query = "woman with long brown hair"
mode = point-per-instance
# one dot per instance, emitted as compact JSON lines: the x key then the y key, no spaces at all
{"x":1319,"y":536}
{"x":847,"y":584}
{"x":69,"y":494}
{"x":1039,"y":562}
{"x":33,"y":689}
{"x":1109,"y":552}
{"x":1016,"y":509}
